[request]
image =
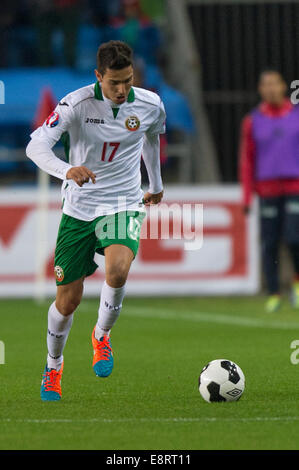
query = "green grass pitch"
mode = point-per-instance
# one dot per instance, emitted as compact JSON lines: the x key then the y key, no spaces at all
{"x":151,"y":400}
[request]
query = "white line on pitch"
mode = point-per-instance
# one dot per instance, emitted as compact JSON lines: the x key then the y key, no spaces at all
{"x":202,"y":317}
{"x":154,"y":420}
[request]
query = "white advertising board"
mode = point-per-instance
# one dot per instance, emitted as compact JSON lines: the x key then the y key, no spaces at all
{"x":222,"y":258}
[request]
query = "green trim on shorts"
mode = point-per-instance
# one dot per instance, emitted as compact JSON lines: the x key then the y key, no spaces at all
{"x":79,"y":240}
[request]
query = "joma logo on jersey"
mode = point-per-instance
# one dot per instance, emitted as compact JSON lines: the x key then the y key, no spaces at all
{"x":132,"y":123}
{"x":95,"y":121}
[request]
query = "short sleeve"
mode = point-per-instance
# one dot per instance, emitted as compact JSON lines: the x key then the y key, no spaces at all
{"x":158,"y":126}
{"x":58,"y":122}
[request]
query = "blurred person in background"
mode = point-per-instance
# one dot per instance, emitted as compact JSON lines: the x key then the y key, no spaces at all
{"x":102,"y":11}
{"x":135,"y":28}
{"x":269,"y":167}
{"x":50,"y":15}
{"x":7,"y":22}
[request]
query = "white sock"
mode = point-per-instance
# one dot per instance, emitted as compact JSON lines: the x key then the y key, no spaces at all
{"x":58,"y":330}
{"x":110,"y":307}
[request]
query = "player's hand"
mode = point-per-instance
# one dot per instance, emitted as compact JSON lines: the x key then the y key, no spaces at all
{"x":152,"y":199}
{"x":81,"y":175}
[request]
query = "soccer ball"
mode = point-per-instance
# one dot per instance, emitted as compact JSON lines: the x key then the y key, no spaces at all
{"x":221,"y":380}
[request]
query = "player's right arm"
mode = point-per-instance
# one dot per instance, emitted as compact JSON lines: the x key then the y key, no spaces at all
{"x":247,"y":162}
{"x":45,"y":137}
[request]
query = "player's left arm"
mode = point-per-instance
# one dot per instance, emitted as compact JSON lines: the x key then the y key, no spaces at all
{"x":151,"y":158}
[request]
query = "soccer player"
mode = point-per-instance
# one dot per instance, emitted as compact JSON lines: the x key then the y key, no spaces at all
{"x":270,"y":167}
{"x":106,"y":127}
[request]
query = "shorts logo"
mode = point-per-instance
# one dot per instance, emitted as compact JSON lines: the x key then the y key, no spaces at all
{"x":132,"y":123}
{"x":53,"y":119}
{"x":59,"y":273}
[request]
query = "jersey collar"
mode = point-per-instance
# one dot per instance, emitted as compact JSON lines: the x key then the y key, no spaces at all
{"x":276,"y":111}
{"x":99,"y":95}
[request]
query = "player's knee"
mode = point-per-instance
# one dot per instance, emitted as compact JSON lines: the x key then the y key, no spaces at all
{"x":67,"y":305}
{"x":117,"y":276}
{"x":291,"y":238}
{"x":293,"y":248}
{"x":270,"y":246}
{"x":68,"y":297}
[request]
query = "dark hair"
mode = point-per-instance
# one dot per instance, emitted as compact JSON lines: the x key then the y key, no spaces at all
{"x":114,"y":55}
{"x":270,"y":71}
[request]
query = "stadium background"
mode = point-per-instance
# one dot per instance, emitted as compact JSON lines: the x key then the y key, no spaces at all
{"x":203,"y":57}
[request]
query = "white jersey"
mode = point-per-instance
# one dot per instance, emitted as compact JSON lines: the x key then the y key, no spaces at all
{"x":109,"y":146}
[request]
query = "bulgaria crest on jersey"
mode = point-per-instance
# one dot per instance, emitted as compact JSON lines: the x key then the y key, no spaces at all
{"x":132,"y":123}
{"x":59,"y":273}
{"x":53,"y":119}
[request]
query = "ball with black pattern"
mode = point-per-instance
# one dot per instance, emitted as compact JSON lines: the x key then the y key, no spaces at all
{"x":221,"y":380}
